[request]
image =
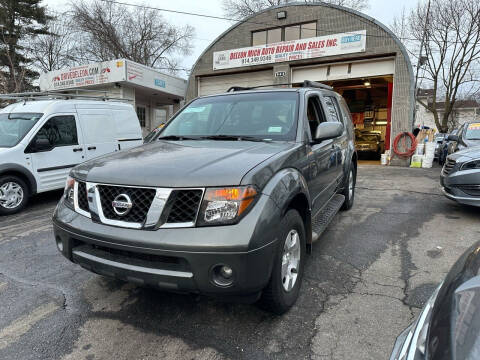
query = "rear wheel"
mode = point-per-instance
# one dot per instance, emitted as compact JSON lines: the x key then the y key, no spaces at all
{"x":349,"y":191}
{"x":287,"y":273}
{"x":13,"y":194}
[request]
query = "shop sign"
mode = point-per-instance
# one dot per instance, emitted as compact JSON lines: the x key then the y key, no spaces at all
{"x":84,"y":75}
{"x":329,"y":45}
{"x":159,"y":83}
{"x":280,"y":73}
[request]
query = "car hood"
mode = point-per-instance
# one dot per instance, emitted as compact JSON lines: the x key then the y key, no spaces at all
{"x":180,"y":163}
{"x":467,"y":154}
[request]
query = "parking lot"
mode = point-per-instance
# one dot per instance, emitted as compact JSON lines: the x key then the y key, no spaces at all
{"x":366,"y":280}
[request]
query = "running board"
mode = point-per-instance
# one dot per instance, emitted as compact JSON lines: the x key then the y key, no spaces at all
{"x":326,"y":215}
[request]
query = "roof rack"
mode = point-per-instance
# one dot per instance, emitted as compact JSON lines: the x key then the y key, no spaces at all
{"x":315,"y":84}
{"x":48,"y":95}
{"x":306,"y":83}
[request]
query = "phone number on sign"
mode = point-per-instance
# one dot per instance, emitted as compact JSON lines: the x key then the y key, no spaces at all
{"x":256,"y":59}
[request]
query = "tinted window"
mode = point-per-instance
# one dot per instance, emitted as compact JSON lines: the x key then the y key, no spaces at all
{"x":259,"y":38}
{"x":308,"y":30}
{"x":292,"y":33}
{"x":262,"y":115}
{"x":332,"y":109}
{"x":59,"y":131}
{"x":14,"y":127}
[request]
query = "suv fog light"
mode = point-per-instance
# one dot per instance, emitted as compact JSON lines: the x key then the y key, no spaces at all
{"x":59,"y":244}
{"x":222,"y":275}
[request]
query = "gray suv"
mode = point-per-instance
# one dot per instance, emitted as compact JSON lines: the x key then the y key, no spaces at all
{"x":226,"y":200}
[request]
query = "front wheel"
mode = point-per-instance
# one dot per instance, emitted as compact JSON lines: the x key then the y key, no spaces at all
{"x":13,"y":195}
{"x":349,"y":191}
{"x":287,"y":273}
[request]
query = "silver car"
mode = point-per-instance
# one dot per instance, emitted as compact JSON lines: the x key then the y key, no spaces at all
{"x":460,"y":178}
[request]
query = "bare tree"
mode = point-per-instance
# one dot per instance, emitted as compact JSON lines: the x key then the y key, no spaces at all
{"x":238,"y":9}
{"x":452,"y":53}
{"x":106,"y":30}
{"x":54,"y":50}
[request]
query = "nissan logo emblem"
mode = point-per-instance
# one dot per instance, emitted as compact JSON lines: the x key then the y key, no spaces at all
{"x":122,"y":204}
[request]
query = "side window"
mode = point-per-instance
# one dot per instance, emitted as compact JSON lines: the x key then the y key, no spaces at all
{"x":314,"y":114}
{"x":59,"y":131}
{"x":332,"y":108}
{"x":347,"y":116}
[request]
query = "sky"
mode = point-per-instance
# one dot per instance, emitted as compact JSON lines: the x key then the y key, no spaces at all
{"x":207,"y":30}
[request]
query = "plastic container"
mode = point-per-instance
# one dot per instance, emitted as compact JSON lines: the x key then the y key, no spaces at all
{"x":420,"y":149}
{"x":416,"y":161}
{"x":383,"y":159}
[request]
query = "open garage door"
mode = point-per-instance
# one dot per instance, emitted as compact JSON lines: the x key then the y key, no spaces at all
{"x":367,"y":88}
{"x":210,"y":85}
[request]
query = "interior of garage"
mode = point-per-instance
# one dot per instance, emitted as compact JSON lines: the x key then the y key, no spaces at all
{"x":369,"y":100}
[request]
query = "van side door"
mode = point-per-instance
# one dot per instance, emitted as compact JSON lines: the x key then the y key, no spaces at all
{"x":98,"y":129}
{"x":61,"y":150}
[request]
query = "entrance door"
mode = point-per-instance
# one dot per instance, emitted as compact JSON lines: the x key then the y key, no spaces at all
{"x":52,"y":166}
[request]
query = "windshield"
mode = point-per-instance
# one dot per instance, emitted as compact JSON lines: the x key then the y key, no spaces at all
{"x":269,"y":115}
{"x":473,"y":132}
{"x":14,"y":126}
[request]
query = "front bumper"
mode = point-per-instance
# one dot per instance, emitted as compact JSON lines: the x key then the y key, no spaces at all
{"x":451,"y":186}
{"x":177,"y":259}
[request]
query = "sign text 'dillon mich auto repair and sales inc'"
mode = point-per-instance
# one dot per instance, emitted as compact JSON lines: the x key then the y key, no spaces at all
{"x":321,"y":46}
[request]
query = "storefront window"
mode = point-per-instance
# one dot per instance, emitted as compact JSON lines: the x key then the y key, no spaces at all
{"x":274,"y":36}
{"x":259,"y":38}
{"x":308,"y":30}
{"x":292,"y":32}
{"x":141,"y":115}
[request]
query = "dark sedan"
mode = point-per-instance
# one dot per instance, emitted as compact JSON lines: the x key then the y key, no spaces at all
{"x":449,"y":325}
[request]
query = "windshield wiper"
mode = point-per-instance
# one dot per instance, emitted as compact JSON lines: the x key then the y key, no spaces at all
{"x":177,"y":137}
{"x":235,"y":137}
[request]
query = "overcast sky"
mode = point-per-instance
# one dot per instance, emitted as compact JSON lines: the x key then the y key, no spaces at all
{"x":206,"y":30}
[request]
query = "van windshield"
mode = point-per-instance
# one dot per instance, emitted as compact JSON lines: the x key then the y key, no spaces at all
{"x":14,"y":126}
{"x":268,"y":115}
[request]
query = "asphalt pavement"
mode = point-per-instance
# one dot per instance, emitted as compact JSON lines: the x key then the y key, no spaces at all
{"x":366,"y":280}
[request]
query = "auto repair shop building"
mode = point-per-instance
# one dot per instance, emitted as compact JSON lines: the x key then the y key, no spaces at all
{"x":155,"y":95}
{"x":360,"y":57}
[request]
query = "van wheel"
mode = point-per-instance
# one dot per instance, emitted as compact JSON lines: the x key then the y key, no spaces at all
{"x":13,"y":194}
{"x":287,"y":273}
{"x":349,"y":191}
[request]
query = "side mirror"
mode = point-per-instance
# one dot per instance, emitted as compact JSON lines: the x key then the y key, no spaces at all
{"x":452,"y":138}
{"x":328,"y":130}
{"x":40,"y":144}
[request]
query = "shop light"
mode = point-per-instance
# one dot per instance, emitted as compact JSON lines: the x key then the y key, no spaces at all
{"x":281,"y":15}
{"x":367,"y":83}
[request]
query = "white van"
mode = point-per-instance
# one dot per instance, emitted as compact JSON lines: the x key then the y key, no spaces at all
{"x":41,"y":140}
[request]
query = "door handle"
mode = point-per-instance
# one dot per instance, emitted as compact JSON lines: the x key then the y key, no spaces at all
{"x":77,"y":149}
{"x":92,"y":148}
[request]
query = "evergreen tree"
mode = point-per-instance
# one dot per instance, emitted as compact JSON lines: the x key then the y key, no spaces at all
{"x":20,"y":22}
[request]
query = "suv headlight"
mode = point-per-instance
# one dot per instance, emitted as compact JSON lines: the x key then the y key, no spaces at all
{"x":475,"y":164}
{"x":222,"y":206}
{"x":68,"y":192}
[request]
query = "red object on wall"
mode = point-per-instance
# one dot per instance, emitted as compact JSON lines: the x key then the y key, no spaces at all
{"x":389,"y":117}
{"x":358,"y":118}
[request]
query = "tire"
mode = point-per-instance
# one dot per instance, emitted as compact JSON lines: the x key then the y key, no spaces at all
{"x":14,"y":194}
{"x":276,"y":298}
{"x":349,"y":190}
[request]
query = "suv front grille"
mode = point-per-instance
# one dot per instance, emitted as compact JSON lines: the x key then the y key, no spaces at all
{"x":141,"y":199}
{"x":448,"y":167}
{"x":184,"y":205}
{"x":82,"y":196}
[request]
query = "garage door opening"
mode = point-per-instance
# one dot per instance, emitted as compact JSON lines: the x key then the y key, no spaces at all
{"x":370,"y":102}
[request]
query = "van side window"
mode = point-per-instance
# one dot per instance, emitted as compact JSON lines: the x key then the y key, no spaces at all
{"x":59,"y":131}
{"x":314,"y":114}
{"x":332,"y":108}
